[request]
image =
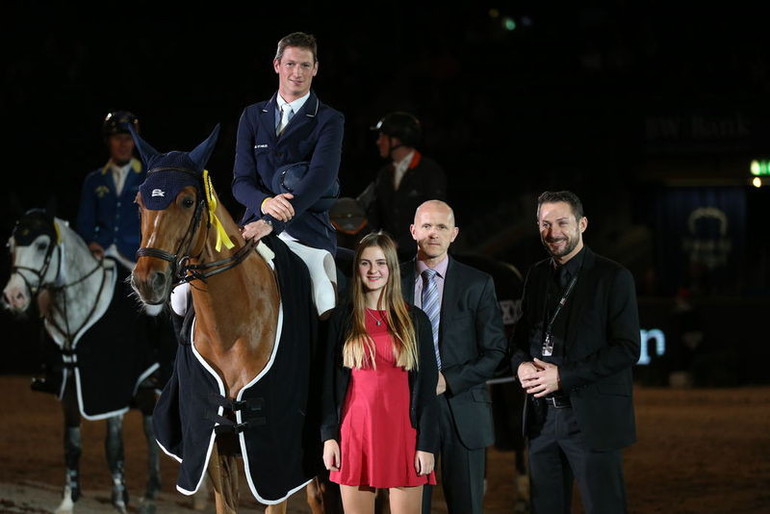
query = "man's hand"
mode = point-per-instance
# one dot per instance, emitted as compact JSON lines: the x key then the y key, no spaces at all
{"x":441,"y":385}
{"x":256,"y":230}
{"x":539,"y":378}
{"x":424,"y":462}
{"x":279,"y":207}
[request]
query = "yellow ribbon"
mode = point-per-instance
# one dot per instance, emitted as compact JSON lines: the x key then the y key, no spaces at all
{"x":222,"y":236}
{"x":58,"y":233}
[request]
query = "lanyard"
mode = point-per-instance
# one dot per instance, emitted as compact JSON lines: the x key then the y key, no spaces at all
{"x":547,"y":341}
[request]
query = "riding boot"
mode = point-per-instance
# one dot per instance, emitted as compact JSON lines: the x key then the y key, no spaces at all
{"x":153,"y":458}
{"x":72,"y":452}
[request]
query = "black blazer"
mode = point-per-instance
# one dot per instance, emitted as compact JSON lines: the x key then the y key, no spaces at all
{"x":423,"y":411}
{"x":472,"y":344}
{"x":601,"y":348}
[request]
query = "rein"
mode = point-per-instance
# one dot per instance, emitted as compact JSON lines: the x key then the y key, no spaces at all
{"x":69,"y":334}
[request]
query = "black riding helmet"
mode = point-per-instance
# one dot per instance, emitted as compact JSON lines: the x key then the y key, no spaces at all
{"x":118,"y":122}
{"x":402,"y":125}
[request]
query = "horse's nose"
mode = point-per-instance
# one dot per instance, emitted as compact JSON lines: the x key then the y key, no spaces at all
{"x":158,"y":281}
{"x":152,"y":286}
{"x":14,"y":297}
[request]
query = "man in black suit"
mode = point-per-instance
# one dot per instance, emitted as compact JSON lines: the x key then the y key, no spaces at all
{"x":574,"y":349}
{"x":470,"y":346}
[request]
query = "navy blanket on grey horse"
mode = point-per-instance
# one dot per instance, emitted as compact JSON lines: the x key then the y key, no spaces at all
{"x":275,"y":418}
{"x":112,"y":357}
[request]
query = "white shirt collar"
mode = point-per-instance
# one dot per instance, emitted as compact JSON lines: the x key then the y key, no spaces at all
{"x":400,"y":168}
{"x":120,"y":170}
{"x":295,"y":105}
{"x":404,"y":163}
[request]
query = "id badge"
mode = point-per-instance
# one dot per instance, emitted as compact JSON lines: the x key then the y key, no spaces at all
{"x":547,"y":346}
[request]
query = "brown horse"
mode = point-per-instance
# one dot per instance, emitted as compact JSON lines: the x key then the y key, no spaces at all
{"x":243,"y":380}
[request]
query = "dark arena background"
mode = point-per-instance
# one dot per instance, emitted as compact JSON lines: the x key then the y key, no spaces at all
{"x":657,"y":114}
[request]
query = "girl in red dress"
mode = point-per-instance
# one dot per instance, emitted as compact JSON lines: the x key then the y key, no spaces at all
{"x":379,"y":401}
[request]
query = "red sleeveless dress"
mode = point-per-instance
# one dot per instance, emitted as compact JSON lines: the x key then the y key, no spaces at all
{"x":377,"y":440}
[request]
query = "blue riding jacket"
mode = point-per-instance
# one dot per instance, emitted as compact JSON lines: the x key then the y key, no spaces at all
{"x":107,"y":218}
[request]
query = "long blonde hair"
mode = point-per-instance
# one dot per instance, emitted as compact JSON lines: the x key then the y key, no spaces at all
{"x":358,"y":351}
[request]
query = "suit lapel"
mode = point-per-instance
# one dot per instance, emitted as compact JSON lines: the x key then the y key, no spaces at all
{"x":407,"y":280}
{"x":452,"y":290}
{"x":267,"y":118}
{"x":581,"y":296}
{"x":305,"y":115}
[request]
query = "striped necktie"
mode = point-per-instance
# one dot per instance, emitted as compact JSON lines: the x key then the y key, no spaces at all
{"x":431,"y":304}
{"x":286,"y":115}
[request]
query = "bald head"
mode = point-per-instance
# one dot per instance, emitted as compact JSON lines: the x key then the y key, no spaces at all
{"x":435,"y":206}
{"x":434,"y":230}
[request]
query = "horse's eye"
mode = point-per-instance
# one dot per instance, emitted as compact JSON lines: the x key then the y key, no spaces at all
{"x":42,"y":246}
{"x":188,"y":202}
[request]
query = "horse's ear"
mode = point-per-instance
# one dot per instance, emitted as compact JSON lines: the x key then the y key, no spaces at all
{"x":146,"y":152}
{"x":203,"y":151}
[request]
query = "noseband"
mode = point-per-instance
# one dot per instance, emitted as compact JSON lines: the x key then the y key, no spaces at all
{"x":55,"y":245}
{"x":41,"y":273}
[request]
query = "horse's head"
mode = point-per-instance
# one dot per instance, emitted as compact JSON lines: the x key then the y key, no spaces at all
{"x":173,"y":203}
{"x":34,"y":261}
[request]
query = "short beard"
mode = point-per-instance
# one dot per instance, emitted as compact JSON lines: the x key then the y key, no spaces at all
{"x":571,"y":245}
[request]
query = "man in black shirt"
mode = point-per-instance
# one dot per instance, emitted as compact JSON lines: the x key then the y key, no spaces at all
{"x":574,"y":349}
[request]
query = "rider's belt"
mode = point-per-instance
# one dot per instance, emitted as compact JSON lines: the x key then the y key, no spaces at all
{"x":557,"y":402}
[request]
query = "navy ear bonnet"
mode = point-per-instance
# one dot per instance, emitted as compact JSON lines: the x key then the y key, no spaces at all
{"x":168,"y":173}
{"x":166,"y":177}
{"x":34,"y":223}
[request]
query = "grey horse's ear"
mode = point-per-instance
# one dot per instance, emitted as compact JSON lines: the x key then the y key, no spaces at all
{"x":203,"y":151}
{"x":146,"y":152}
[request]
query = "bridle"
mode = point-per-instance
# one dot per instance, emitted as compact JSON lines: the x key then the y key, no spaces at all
{"x":55,"y":289}
{"x":34,"y":289}
{"x":182,"y":270}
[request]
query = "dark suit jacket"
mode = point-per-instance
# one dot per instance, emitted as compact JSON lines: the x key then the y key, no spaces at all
{"x":472,"y":344}
{"x":314,"y":134}
{"x":601,"y":347}
{"x":423,"y":410}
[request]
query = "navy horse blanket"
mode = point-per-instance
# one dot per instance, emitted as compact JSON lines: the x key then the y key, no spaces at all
{"x":275,"y":418}
{"x":110,"y":356}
